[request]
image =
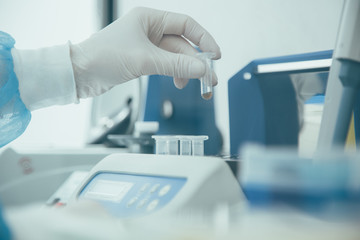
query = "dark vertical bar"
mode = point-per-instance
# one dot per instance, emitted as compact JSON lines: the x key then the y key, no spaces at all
{"x":108,"y":8}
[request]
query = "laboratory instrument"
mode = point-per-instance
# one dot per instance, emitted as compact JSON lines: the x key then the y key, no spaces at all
{"x":344,"y":81}
{"x":263,"y":99}
{"x":132,"y":185}
{"x":140,"y":141}
{"x":180,"y":144}
{"x":267,"y":97}
{"x":206,"y":80}
{"x":115,"y":112}
{"x":33,"y":175}
{"x":64,"y":193}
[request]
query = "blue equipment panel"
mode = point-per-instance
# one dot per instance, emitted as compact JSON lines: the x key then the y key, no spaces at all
{"x":264,"y":109}
{"x":191,"y":115}
{"x":129,"y":195}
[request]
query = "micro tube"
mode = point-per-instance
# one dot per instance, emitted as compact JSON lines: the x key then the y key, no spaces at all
{"x":166,"y":145}
{"x":206,"y":80}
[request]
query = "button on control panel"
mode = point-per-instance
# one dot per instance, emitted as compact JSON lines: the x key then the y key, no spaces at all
{"x":154,"y":188}
{"x":142,"y":203}
{"x":163,"y":191}
{"x":132,"y":201}
{"x":152,"y":205}
{"x":145,"y":187}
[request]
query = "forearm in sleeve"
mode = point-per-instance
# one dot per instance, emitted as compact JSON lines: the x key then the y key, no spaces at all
{"x":45,"y":76}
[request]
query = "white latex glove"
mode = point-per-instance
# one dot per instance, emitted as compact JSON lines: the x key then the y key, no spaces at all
{"x":143,"y":42}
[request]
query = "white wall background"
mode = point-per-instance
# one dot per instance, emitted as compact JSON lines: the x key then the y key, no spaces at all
{"x":244,"y":29}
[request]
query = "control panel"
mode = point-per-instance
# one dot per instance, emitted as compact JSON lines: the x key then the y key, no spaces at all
{"x":133,"y":185}
{"x":127,"y":195}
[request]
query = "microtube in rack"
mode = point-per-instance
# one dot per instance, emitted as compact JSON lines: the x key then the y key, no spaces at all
{"x":206,"y":80}
{"x":166,"y":144}
{"x":179,"y":145}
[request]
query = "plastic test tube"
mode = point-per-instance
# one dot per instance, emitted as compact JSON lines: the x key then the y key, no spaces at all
{"x":206,"y":80}
{"x":198,"y":145}
{"x":185,"y":145}
{"x":166,"y":145}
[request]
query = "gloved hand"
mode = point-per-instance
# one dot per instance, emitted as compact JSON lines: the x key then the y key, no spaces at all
{"x":143,"y":42}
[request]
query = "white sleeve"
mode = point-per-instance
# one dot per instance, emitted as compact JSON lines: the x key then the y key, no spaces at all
{"x":45,"y":76}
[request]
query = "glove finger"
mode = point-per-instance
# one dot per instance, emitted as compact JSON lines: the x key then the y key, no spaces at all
{"x":180,"y":83}
{"x":177,"y":65}
{"x":178,"y":44}
{"x":180,"y":24}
